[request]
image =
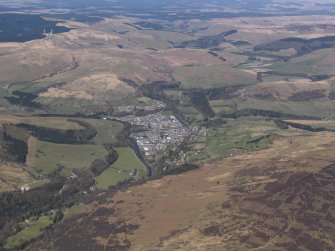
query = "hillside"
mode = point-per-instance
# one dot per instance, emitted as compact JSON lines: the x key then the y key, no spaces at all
{"x":167,"y":125}
{"x":274,"y":198}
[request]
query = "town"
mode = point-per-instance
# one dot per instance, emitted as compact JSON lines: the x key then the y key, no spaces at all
{"x":159,"y":132}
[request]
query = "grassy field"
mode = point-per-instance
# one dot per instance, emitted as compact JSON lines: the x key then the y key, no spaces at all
{"x":283,"y":53}
{"x":218,"y":107}
{"x":235,"y":137}
{"x":28,"y":233}
{"x":273,"y":78}
{"x":308,"y":108}
{"x":328,"y":124}
{"x":306,"y":67}
{"x":44,"y":157}
{"x":49,"y":156}
{"x":72,"y":211}
{"x":107,"y":130}
{"x":315,"y":108}
{"x":119,"y":170}
{"x":167,"y":113}
{"x":35,"y":228}
{"x":317,"y":62}
{"x":29,"y":87}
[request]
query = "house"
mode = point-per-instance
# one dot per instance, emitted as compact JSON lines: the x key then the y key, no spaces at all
{"x":133,"y":172}
{"x":24,"y":188}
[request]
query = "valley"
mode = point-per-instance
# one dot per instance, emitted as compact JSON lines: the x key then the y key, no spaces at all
{"x":167,"y":126}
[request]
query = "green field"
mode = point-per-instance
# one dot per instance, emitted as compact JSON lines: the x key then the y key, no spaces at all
{"x":29,"y":87}
{"x":283,"y":53}
{"x":130,"y":100}
{"x":315,"y":108}
{"x":318,"y":62}
{"x":119,"y":170}
{"x":28,"y":233}
{"x":234,"y":137}
{"x":167,"y":113}
{"x":50,"y":156}
{"x":107,"y":130}
{"x":327,"y":124}
{"x":306,"y":67}
{"x":34,"y":228}
{"x":219,"y":106}
{"x":74,"y":210}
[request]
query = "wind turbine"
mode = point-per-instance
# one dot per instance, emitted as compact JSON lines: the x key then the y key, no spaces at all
{"x":50,"y":35}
